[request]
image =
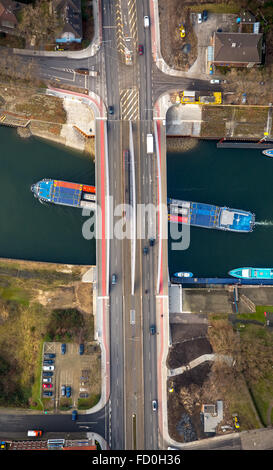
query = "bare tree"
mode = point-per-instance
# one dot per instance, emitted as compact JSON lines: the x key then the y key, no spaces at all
{"x":40,"y":20}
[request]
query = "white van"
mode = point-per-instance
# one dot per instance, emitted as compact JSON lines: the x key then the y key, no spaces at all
{"x":146,"y":21}
{"x":199,"y":18}
{"x":48,"y":367}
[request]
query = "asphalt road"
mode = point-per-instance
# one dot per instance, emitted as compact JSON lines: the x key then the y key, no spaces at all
{"x":133,"y":350}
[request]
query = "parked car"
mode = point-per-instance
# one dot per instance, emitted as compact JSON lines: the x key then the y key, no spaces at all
{"x":84,"y":395}
{"x":47,"y":394}
{"x":47,"y":380}
{"x":215,"y":80}
{"x":74,"y":415}
{"x":68,"y":392}
{"x":140,"y":49}
{"x":152,"y":329}
{"x":244,"y":98}
{"x":152,"y":241}
{"x":199,"y":18}
{"x":49,"y":356}
{"x":205,"y":15}
{"x":48,"y":367}
{"x":154,"y":405}
{"x":63,"y":390}
{"x":47,"y":385}
{"x":63,"y":348}
{"x":47,"y":374}
{"x":81,"y":349}
{"x":48,"y":362}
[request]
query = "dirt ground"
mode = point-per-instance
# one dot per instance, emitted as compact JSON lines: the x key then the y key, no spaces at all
{"x":207,"y":382}
{"x":173,"y":13}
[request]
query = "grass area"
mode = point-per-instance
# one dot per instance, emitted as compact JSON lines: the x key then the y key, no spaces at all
{"x":42,"y":107}
{"x":230,"y":7}
{"x":25,"y":324}
{"x":247,"y":387}
{"x":86,"y":403}
{"x":257,"y":361}
{"x":248,"y":121}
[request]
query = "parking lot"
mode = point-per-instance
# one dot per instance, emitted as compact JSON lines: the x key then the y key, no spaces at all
{"x":78,"y":375}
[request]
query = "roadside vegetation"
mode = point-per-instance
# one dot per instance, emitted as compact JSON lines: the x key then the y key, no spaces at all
{"x":28,"y":319}
{"x":247,"y":385}
{"x":242,"y":376}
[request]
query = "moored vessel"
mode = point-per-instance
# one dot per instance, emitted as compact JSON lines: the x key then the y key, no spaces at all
{"x":252,"y":273}
{"x":65,"y":193}
{"x":268,"y":152}
{"x":183,"y":274}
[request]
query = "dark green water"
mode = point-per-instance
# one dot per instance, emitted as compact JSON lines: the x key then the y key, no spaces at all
{"x":31,"y":230}
{"x":241,"y":179}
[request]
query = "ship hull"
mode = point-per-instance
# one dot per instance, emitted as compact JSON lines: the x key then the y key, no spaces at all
{"x":184,"y":274}
{"x":252,"y":273}
{"x":268,"y":153}
{"x":210,"y":216}
{"x":65,"y":193}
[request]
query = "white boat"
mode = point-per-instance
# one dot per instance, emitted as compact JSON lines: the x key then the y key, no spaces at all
{"x":183,"y":274}
{"x":268,"y":153}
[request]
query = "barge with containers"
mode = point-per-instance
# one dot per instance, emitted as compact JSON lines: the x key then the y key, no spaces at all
{"x":65,"y":193}
{"x":210,"y":216}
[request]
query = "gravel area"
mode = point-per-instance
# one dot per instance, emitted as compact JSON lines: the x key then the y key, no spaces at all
{"x":81,"y":116}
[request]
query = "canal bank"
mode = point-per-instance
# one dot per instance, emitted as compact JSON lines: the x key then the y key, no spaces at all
{"x":68,"y":122}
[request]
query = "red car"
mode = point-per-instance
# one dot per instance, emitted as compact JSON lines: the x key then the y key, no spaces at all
{"x":140,"y":49}
{"x":47,"y":385}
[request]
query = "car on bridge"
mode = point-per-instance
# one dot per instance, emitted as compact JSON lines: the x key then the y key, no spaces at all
{"x":154,"y":405}
{"x":152,"y":329}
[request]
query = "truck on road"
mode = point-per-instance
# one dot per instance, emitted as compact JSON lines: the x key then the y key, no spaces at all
{"x":150,"y":143}
{"x":34,"y":433}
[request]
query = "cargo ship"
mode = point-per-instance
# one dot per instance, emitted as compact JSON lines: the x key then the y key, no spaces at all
{"x":210,"y":216}
{"x":268,"y":153}
{"x":65,"y":193}
{"x":252,"y":273}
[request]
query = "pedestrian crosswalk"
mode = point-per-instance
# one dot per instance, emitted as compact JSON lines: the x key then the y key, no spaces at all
{"x":129,"y":104}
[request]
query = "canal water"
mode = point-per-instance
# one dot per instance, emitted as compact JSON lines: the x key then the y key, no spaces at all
{"x":236,"y":178}
{"x":31,"y":230}
{"x":241,"y":179}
